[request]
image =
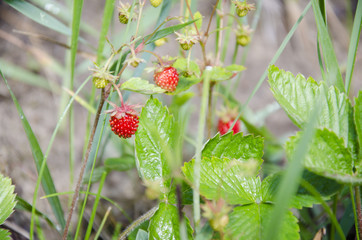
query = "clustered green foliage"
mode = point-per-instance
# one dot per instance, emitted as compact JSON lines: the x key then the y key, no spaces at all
{"x":225,"y":181}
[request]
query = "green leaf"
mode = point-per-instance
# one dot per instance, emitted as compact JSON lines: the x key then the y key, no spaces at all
{"x":326,"y":187}
{"x":250,"y":221}
{"x":142,"y":235}
{"x":235,"y":147}
{"x":96,"y":176}
{"x":333,"y":74}
{"x":155,"y":138}
{"x":143,"y":226}
{"x":184,"y":65}
{"x":139,"y":85}
{"x":39,"y":16}
{"x":185,"y":83}
{"x":165,"y":223}
{"x":235,"y":68}
{"x":299,"y":96}
{"x":231,"y":180}
{"x":47,"y":180}
{"x":7,"y":198}
{"x":198,"y":17}
{"x":219,"y":74}
{"x":123,"y":163}
{"x":21,"y":204}
{"x":166,"y":31}
{"x":326,"y":156}
{"x":4,"y":234}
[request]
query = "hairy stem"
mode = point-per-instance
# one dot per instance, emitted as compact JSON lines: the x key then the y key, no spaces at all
{"x":359,"y":209}
{"x":136,"y":223}
{"x":84,"y":164}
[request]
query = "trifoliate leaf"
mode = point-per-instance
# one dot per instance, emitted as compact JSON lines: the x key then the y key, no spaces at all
{"x":232,"y":180}
{"x":123,"y":163}
{"x":250,"y":221}
{"x":139,"y":85}
{"x":165,"y":224}
{"x":155,"y":139}
{"x":326,"y":156}
{"x":235,"y":147}
{"x":299,"y":96}
{"x":7,"y":198}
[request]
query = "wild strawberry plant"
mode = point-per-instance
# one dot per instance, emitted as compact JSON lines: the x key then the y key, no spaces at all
{"x":223,"y":191}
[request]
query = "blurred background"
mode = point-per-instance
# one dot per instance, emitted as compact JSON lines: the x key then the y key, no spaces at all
{"x":34,"y":60}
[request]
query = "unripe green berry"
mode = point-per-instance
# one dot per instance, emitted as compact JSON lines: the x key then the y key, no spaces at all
{"x":242,"y":12}
{"x":122,"y":18}
{"x":100,"y":82}
{"x":155,"y":3}
{"x":243,"y":40}
{"x":186,"y":46}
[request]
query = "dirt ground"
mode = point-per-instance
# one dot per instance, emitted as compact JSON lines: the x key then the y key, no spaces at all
{"x":41,"y":106}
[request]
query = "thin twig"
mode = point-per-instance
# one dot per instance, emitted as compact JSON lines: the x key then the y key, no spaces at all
{"x":85,"y":160}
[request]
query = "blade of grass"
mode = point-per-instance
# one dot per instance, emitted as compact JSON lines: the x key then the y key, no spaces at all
{"x":39,"y":16}
{"x":290,"y":180}
{"x":93,"y":194}
{"x":40,"y":160}
{"x":102,"y":223}
{"x":329,"y":211}
{"x":106,"y":22}
{"x":21,"y":204}
{"x":77,"y":13}
{"x":93,"y":155}
{"x":199,"y":142}
{"x":333,"y":73}
{"x":64,"y":14}
{"x":353,"y":45}
{"x":95,"y":205}
{"x":320,"y":61}
{"x":43,"y":165}
{"x":20,"y":74}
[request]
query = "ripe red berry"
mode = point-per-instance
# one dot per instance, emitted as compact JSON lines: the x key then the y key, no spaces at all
{"x":223,"y":127}
{"x":125,"y":126}
{"x":167,"y":79}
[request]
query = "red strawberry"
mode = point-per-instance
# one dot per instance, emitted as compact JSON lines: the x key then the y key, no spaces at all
{"x":125,"y":126}
{"x":167,"y":78}
{"x":223,"y":127}
{"x":124,"y":119}
{"x":227,"y":117}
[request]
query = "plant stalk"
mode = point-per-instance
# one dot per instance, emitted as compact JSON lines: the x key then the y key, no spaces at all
{"x":84,"y":164}
{"x":359,"y":209}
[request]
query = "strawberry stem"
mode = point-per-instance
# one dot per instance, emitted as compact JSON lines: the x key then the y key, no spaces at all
{"x":154,"y":54}
{"x":119,"y":93}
